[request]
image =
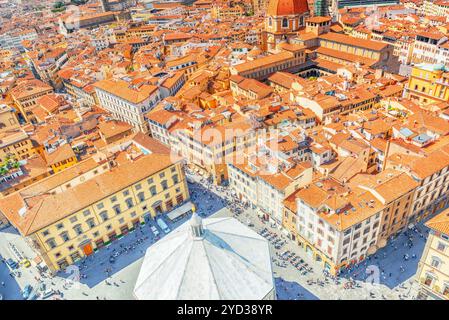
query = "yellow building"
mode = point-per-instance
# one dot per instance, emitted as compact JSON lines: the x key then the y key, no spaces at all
{"x":435,"y":8}
{"x":428,"y":83}
{"x":73,"y":222}
{"x":433,"y":271}
{"x":62,"y":158}
{"x":224,"y":12}
{"x":16,"y":144}
{"x":140,"y":31}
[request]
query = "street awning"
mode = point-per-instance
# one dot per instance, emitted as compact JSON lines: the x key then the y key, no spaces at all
{"x":176,"y":213}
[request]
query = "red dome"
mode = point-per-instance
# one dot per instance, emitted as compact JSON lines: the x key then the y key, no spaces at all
{"x":287,"y":7}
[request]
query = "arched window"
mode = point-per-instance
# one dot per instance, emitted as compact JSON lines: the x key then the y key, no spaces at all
{"x":284,"y":23}
{"x":270,"y":21}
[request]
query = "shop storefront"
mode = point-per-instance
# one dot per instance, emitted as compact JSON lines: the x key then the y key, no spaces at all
{"x":124,"y":230}
{"x":112,"y":236}
{"x":62,"y":264}
{"x":99,"y":243}
{"x":135,"y":223}
{"x":75,"y":256}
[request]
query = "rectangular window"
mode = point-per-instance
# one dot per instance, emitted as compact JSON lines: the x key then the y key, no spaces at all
{"x":104,"y":215}
{"x":90,"y":223}
{"x":65,"y":237}
{"x":435,"y":263}
{"x":73,"y":219}
{"x":51,"y":243}
{"x":78,"y":229}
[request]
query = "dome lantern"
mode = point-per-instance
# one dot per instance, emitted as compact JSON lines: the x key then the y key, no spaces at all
{"x":196,"y":225}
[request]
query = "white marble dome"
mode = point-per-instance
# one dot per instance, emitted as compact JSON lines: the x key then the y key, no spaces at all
{"x":207,"y":259}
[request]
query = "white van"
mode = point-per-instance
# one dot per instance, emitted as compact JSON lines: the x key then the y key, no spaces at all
{"x":162,"y":225}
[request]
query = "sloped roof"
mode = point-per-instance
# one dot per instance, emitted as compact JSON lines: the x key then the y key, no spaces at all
{"x":230,"y":261}
{"x":440,"y":222}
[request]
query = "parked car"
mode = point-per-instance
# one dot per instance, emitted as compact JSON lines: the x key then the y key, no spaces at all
{"x":27,"y":291}
{"x":154,"y":230}
{"x":11,"y":263}
{"x":162,"y":225}
{"x":26,"y":263}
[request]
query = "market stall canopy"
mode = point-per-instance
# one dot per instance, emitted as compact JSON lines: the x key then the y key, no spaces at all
{"x":180,"y":211}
